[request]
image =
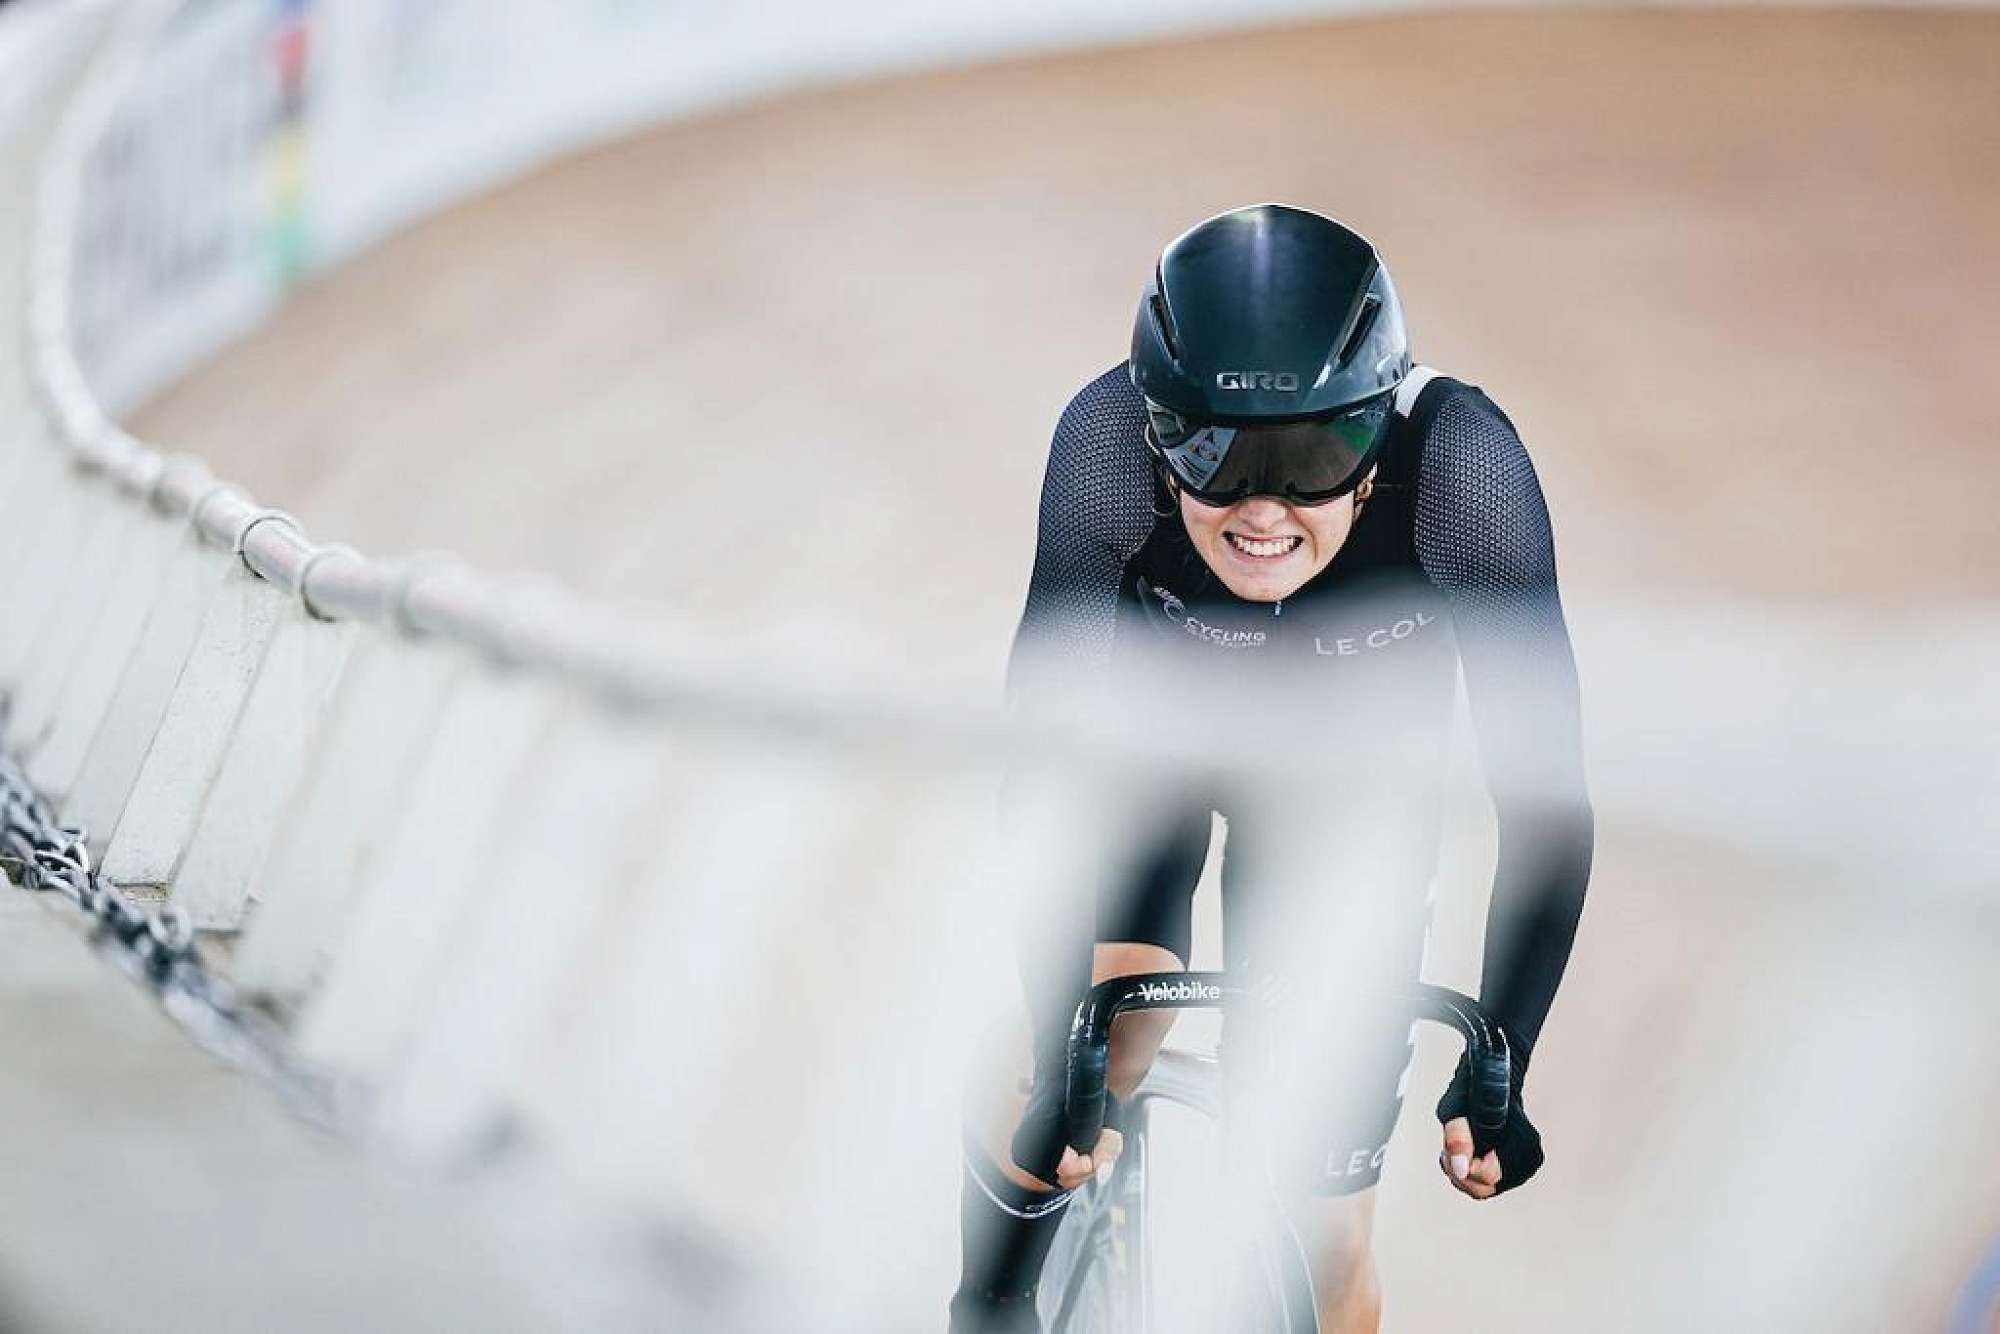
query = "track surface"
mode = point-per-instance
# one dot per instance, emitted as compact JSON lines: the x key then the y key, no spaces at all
{"x":789,"y":372}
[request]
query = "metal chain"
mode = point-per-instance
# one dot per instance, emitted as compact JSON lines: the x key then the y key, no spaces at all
{"x":41,"y":854}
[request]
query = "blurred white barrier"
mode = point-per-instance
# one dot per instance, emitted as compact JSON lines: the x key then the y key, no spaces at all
{"x":190,"y":578}
{"x":82,"y":690}
{"x":588,"y":808}
{"x":472,"y":837}
{"x":276,"y":733}
{"x":377,"y":726}
{"x":435,"y":800}
{"x":80,"y":589}
{"x":1862,"y":738}
{"x":461,"y":813}
{"x":177,"y":776}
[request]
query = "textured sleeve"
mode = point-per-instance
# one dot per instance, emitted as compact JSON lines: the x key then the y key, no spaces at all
{"x":1097,"y":509}
{"x":1484,"y":539}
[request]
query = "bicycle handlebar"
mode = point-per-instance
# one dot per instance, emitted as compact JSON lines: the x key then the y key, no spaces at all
{"x":1090,"y":1040}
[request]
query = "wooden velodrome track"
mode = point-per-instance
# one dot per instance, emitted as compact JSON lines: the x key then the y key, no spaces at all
{"x":788,"y":372}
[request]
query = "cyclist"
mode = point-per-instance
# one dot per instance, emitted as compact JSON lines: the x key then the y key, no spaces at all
{"x":1269,"y":491}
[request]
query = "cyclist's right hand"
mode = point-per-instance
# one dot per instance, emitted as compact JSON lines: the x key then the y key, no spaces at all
{"x":1077,"y":1168}
{"x":1039,"y":1150}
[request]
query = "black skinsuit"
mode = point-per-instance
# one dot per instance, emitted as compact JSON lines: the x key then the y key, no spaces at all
{"x":1451,"y":562}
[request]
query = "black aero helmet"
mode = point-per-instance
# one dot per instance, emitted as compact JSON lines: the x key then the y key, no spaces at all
{"x":1268,"y":347}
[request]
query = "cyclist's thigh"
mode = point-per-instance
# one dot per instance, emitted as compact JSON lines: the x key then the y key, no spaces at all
{"x":1341,"y":1226}
{"x":1145,"y":924}
{"x":1317,"y":1075}
{"x":1153,"y":903}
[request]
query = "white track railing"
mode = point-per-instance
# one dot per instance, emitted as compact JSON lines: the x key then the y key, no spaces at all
{"x":507,"y":868}
{"x":501,"y":859}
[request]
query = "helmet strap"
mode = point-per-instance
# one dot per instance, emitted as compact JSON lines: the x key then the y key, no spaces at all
{"x":1166,"y":491}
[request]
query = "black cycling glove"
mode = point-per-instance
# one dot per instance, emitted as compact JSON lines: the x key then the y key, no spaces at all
{"x":1039,"y":1142}
{"x":1518,"y":1143}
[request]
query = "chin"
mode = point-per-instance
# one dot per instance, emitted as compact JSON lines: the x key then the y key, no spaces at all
{"x":1274,"y":587}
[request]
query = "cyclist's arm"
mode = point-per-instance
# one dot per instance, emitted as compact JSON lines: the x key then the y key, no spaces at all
{"x":1096,"y":510}
{"x":1483,"y":537}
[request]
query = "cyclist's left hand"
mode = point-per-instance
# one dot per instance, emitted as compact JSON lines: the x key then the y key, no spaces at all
{"x":1478,"y":1177}
{"x":1489,"y":1163}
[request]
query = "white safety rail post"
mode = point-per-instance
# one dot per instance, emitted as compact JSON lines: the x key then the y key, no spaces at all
{"x":179,"y":695}
{"x":115,"y":551}
{"x":48,"y":529}
{"x":279,"y":727}
{"x":149,"y":679}
{"x":146,"y":682}
{"x":35,"y":463}
{"x":80,"y":697}
{"x":381,"y":720}
{"x":42,"y":510}
{"x":460,"y":816}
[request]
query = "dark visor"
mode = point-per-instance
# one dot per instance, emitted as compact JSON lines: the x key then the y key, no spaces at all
{"x":1303,"y":463}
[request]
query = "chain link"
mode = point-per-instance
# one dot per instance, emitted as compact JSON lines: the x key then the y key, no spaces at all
{"x":44,"y":855}
{"x":41,"y":854}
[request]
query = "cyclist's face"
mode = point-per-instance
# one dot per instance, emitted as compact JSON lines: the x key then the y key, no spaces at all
{"x":1263,"y":549}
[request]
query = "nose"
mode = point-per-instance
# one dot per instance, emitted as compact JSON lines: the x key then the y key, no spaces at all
{"x":1260,"y":512}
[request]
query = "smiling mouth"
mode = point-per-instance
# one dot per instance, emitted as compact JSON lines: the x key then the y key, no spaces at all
{"x":1262,"y":548}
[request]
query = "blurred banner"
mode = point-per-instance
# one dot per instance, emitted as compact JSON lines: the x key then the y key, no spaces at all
{"x":266,"y":139}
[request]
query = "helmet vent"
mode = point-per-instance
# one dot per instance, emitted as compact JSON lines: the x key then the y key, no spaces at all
{"x":1371,"y":306}
{"x":1163,"y":319}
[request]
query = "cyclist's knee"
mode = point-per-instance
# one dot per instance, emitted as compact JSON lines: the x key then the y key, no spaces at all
{"x":1124,"y":958}
{"x":1340,"y":1235}
{"x":1131,"y":1057}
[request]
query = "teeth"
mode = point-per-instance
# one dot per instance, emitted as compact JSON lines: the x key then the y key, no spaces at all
{"x":1272,"y":546}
